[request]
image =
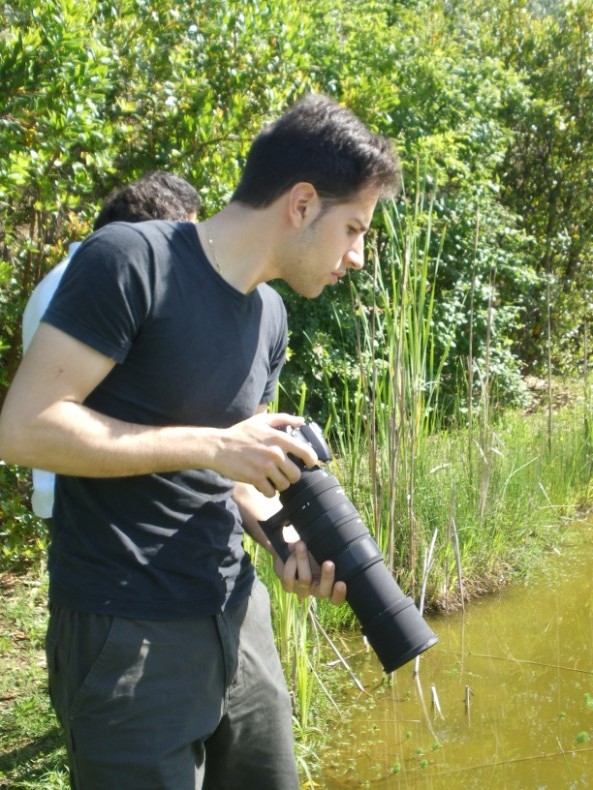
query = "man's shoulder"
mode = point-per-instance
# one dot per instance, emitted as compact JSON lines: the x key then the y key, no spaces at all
{"x":147,"y":229}
{"x":137,"y":238}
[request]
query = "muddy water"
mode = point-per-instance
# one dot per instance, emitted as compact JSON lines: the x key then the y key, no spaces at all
{"x":504,"y":700}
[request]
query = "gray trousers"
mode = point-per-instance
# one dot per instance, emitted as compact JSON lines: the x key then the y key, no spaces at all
{"x":176,"y":705}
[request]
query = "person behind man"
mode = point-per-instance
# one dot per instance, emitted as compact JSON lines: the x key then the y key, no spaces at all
{"x":146,"y":390}
{"x":157,"y":195}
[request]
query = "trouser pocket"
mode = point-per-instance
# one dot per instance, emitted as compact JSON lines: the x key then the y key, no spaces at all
{"x":73,"y":644}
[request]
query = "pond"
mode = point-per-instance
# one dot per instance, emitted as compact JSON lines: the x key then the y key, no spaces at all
{"x":504,"y":700}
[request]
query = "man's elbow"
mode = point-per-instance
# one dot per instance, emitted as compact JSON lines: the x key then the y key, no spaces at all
{"x":13,"y":442}
{"x":8,"y":450}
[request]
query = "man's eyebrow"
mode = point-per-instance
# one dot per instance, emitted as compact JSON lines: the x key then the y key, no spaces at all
{"x":361,"y":225}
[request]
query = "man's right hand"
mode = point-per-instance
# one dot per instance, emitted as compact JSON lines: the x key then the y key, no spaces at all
{"x":255,"y":451}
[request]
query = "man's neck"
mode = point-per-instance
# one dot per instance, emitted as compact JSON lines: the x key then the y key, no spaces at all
{"x":240,"y":242}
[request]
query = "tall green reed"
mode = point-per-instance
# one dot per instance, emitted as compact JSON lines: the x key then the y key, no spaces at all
{"x":391,"y":409}
{"x":485,"y":486}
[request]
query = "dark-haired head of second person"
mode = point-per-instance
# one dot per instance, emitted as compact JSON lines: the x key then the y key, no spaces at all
{"x":157,"y":195}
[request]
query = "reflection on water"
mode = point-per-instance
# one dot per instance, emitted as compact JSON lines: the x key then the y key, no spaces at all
{"x":513,"y":679}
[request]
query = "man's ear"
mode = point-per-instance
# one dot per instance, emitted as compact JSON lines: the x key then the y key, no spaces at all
{"x":303,"y":203}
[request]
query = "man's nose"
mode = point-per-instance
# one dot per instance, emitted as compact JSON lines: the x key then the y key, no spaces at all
{"x":354,"y":258}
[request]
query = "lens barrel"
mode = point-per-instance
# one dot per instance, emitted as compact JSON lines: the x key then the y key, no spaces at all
{"x":332,"y":528}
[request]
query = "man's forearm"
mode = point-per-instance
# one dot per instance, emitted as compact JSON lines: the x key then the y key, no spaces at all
{"x":71,"y":439}
{"x":44,"y":424}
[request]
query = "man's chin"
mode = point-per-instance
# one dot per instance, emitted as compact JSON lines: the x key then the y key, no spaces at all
{"x":310,"y":293}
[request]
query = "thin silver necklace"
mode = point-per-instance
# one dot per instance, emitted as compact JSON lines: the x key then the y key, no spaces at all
{"x":217,"y":265}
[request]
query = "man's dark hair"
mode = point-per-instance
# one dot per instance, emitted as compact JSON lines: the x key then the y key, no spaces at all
{"x":322,"y":143}
{"x":157,"y":195}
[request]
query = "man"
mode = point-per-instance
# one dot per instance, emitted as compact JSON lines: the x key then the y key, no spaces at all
{"x":145,"y":390}
{"x":157,"y":195}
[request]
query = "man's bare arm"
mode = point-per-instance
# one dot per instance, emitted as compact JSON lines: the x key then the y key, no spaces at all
{"x":45,"y":424}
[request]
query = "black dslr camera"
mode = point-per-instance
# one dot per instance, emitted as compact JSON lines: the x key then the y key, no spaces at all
{"x":331,"y":527}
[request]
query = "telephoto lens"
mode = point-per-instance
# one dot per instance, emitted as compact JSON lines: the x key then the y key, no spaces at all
{"x":332,"y":528}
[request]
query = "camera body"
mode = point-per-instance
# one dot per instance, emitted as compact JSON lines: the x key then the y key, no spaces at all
{"x":332,"y":528}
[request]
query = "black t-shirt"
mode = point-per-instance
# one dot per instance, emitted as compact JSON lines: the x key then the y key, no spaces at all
{"x":191,"y":350}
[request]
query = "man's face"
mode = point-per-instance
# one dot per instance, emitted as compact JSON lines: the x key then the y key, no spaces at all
{"x":329,"y":244}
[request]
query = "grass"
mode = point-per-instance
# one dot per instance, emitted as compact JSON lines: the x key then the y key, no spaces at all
{"x":32,"y":751}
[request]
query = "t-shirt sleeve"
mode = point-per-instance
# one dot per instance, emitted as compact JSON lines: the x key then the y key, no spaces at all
{"x":106,"y":291}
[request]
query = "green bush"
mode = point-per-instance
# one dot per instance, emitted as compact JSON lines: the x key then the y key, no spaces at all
{"x":23,"y":536}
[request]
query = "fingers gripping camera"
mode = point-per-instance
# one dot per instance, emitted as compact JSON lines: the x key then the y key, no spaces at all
{"x":333,"y":530}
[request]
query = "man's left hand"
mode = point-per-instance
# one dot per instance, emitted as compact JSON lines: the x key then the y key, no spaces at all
{"x":303,"y":576}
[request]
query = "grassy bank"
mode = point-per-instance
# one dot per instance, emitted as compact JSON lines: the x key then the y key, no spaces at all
{"x":32,"y":754}
{"x":488,"y":506}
